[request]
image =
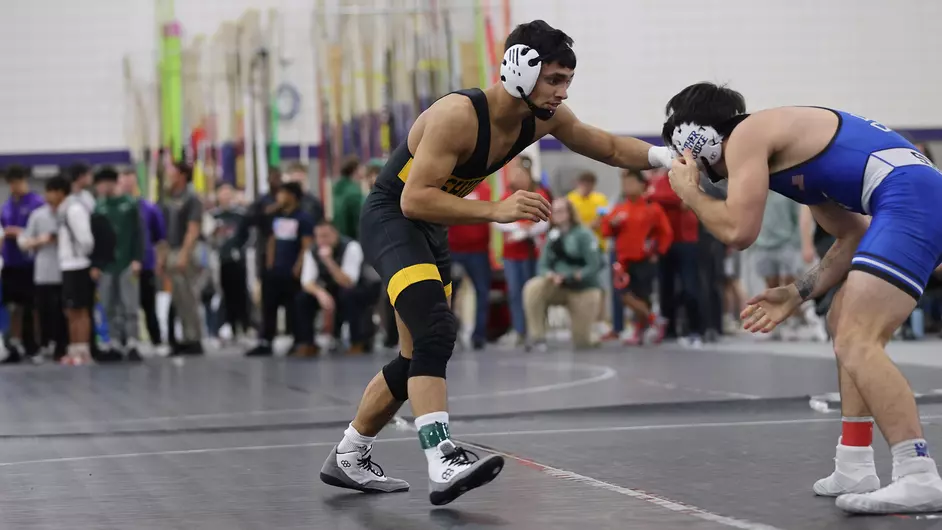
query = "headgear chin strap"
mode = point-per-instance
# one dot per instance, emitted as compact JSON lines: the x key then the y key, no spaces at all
{"x":519,"y":72}
{"x":705,"y":142}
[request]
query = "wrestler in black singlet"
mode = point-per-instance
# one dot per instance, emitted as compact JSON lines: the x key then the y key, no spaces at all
{"x":406,"y":251}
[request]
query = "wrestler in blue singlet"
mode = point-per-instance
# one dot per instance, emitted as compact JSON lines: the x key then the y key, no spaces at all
{"x":870,"y":169}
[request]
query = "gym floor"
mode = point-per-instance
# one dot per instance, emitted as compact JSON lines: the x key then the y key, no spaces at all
{"x":642,"y":438}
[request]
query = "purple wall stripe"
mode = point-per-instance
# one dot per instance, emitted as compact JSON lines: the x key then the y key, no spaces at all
{"x":293,"y":152}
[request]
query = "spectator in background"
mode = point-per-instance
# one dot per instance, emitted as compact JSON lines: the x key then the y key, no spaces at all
{"x":776,"y":253}
{"x":720,"y":277}
{"x":291,"y":237}
{"x":470,"y":247}
{"x":259,"y":218}
{"x":310,"y":204}
{"x":227,"y":218}
{"x":18,"y":267}
{"x":372,"y":171}
{"x":521,"y":251}
{"x":589,"y":204}
{"x":335,"y":278}
{"x":641,"y":232}
{"x":348,"y":198}
{"x":184,"y":214}
{"x":155,"y":234}
{"x":40,"y":239}
{"x":680,"y":262}
{"x":76,"y":243}
{"x":568,"y":274}
{"x":725,"y":290}
{"x":81,"y":176}
{"x":118,"y":285}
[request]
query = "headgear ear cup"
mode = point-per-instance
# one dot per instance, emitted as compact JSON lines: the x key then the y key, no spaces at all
{"x":520,"y":70}
{"x":519,"y":73}
{"x":704,"y":142}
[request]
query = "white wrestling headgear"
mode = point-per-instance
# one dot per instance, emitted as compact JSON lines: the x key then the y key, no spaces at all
{"x":519,"y":72}
{"x":704,"y":142}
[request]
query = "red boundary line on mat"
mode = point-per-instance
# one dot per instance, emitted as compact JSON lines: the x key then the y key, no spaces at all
{"x":651,"y":498}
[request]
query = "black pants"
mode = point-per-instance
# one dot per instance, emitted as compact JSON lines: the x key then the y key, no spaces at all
{"x":354,"y":306}
{"x":52,"y":324}
{"x":278,"y":291}
{"x":18,"y":290}
{"x":148,"y":297}
{"x":713,"y":280}
{"x":235,"y":296}
{"x":680,"y":262}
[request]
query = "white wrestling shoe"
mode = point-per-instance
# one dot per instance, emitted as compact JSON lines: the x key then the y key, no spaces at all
{"x":458,"y":471}
{"x":854,"y":472}
{"x":916,"y":488}
{"x":357,"y":471}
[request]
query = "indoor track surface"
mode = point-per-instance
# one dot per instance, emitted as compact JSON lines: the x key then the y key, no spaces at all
{"x":613,"y":439}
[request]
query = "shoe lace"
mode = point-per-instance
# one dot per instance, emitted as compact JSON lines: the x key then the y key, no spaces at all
{"x":368,"y":464}
{"x":459,"y":457}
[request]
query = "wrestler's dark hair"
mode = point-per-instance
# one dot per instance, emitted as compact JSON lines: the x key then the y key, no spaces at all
{"x":553,"y":45}
{"x":704,"y":104}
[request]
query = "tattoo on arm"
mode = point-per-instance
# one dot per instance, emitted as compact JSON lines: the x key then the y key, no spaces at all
{"x":807,"y":283}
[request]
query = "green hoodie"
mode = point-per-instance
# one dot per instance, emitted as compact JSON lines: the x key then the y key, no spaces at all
{"x":576,"y":250}
{"x":348,"y":199}
{"x":125,"y":217}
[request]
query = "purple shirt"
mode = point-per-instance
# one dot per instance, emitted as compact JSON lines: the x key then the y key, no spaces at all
{"x":16,"y":213}
{"x":155,"y":231}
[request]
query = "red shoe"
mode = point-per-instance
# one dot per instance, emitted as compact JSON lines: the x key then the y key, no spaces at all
{"x":656,"y":330}
{"x":610,"y":336}
{"x":634,"y":338}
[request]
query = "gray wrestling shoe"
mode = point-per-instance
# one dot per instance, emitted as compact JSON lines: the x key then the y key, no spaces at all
{"x":357,"y":471}
{"x":459,"y":474}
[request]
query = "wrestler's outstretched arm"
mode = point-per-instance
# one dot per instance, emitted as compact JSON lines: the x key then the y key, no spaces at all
{"x":592,"y":142}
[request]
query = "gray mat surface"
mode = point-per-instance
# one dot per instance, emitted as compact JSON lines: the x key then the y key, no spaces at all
{"x":662,"y":438}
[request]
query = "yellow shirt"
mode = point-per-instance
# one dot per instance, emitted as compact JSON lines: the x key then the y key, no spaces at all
{"x":587,"y":208}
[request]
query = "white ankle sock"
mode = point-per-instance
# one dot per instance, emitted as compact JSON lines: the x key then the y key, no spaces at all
{"x":909,"y":449}
{"x":354,"y":441}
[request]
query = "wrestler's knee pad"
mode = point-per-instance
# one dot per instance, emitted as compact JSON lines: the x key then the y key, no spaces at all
{"x":396,"y":374}
{"x":434,"y":328}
